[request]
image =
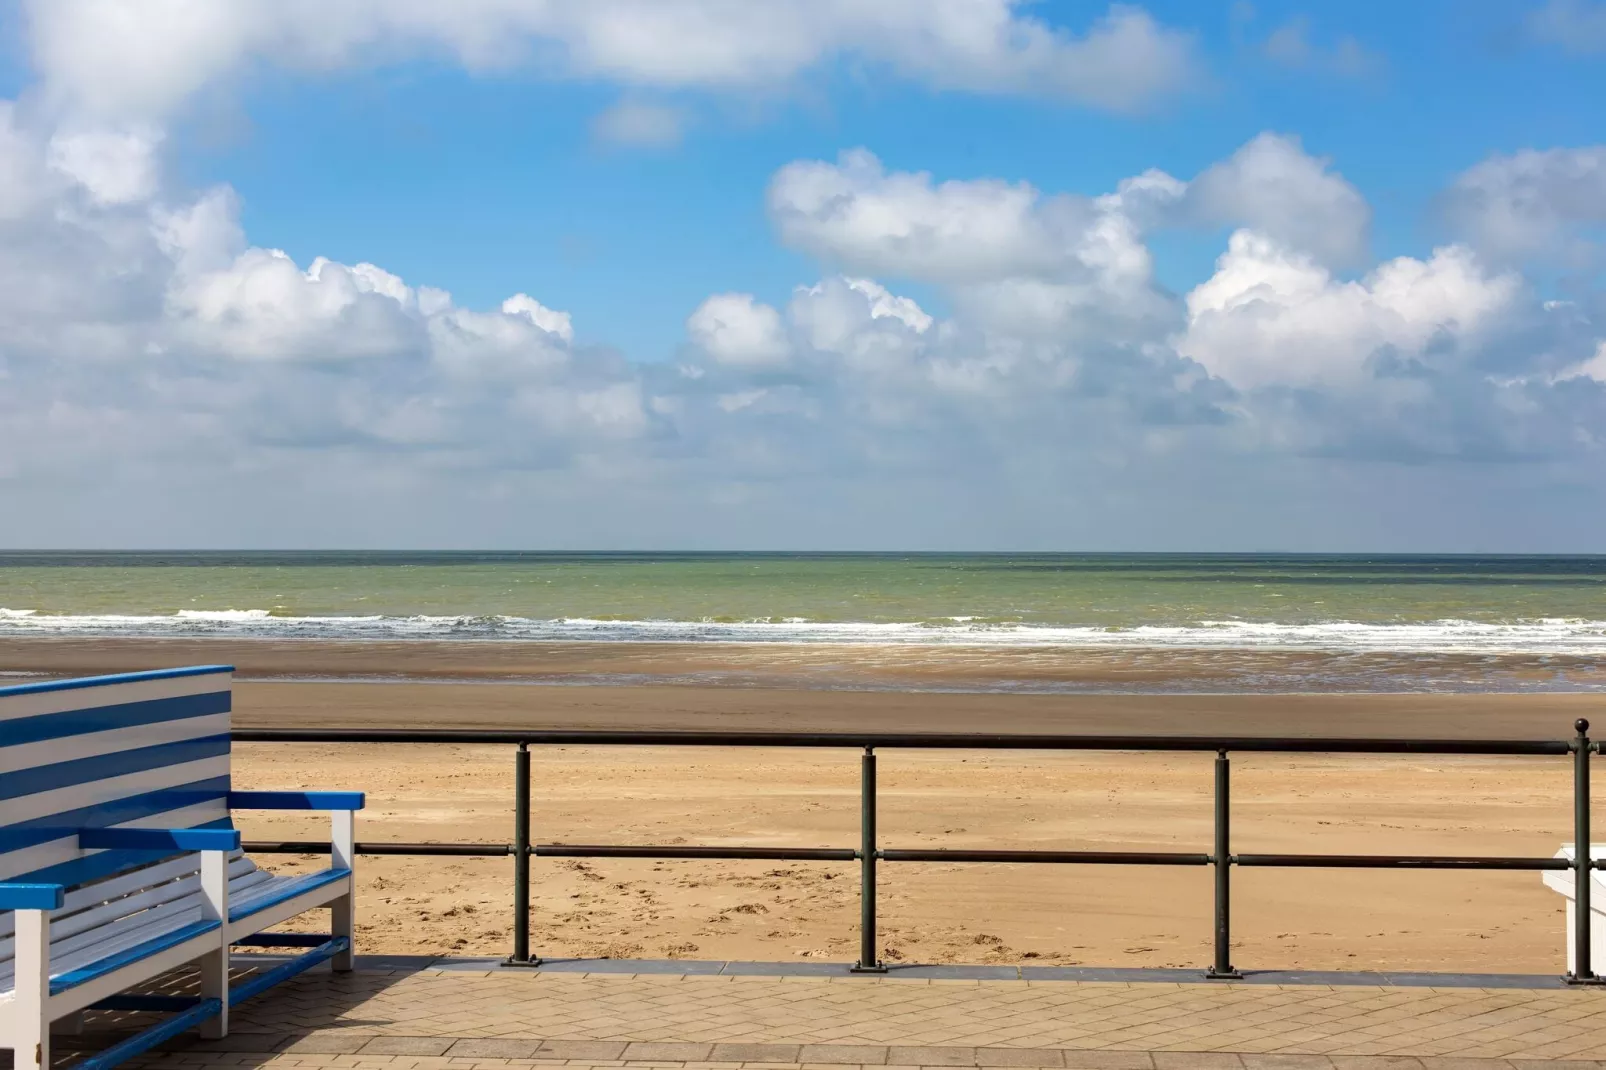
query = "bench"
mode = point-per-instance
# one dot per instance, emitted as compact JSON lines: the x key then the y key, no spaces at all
{"x":119,"y":860}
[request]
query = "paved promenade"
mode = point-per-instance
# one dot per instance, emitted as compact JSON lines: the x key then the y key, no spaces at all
{"x":468,"y":1015}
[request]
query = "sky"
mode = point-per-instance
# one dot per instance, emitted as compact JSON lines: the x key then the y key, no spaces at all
{"x":803,"y":274}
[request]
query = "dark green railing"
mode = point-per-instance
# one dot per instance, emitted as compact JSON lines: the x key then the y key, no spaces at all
{"x":869,"y":851}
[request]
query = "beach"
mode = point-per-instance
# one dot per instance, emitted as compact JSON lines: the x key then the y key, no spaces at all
{"x":1047,"y":914}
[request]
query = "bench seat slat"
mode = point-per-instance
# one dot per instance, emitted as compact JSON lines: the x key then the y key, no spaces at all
{"x":143,"y":950}
{"x":91,"y":896}
{"x":279,"y":889}
{"x":67,"y":934}
{"x":111,"y":939}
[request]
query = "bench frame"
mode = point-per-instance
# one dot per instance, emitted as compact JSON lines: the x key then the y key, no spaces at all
{"x":35,"y":1003}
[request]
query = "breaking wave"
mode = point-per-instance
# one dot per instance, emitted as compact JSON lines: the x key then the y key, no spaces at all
{"x":1538,"y":636}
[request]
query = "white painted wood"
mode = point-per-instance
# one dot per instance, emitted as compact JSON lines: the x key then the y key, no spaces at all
{"x":101,"y":792}
{"x":215,"y":963}
{"x":266,"y":919}
{"x":93,"y":744}
{"x":343,"y":911}
{"x":88,"y":698}
{"x":91,"y":897}
{"x":30,"y":1017}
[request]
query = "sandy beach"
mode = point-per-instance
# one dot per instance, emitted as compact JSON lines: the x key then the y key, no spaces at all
{"x":1147,"y":916}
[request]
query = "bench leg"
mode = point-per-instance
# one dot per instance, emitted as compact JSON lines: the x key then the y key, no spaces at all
{"x":30,"y":1012}
{"x":215,"y":985}
{"x":215,"y":964}
{"x":343,"y":911}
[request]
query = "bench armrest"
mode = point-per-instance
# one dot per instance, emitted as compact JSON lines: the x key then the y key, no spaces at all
{"x":296,"y":800}
{"x":32,"y":896}
{"x":160,"y":839}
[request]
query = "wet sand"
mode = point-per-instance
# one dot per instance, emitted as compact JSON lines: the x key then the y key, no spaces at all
{"x":1101,"y":915}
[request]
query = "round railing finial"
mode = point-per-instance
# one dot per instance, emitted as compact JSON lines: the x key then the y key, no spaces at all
{"x":1582,"y":725}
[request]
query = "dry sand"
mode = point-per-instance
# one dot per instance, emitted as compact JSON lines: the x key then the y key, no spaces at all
{"x":1148,"y":916}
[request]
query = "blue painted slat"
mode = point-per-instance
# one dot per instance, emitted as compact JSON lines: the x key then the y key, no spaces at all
{"x":105,"y":718}
{"x":116,"y":678}
{"x":117,"y":812}
{"x":30,"y":895}
{"x":110,"y":963}
{"x":39,"y":778}
{"x":300,"y":964}
{"x":169,"y":840}
{"x":296,"y":800}
{"x":288,"y":890}
{"x":144,"y":1041}
{"x":106,"y":863}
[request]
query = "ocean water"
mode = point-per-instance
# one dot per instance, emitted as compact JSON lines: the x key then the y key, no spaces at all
{"x":1429,"y":604}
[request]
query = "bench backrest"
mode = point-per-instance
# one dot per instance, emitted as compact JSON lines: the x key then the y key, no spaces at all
{"x":147,"y":749}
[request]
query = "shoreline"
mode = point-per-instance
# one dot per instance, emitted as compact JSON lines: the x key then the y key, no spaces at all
{"x":844,"y":668}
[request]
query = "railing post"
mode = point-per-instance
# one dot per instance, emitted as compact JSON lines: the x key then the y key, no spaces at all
{"x":868,"y":963}
{"x":1222,"y":968}
{"x":1583,"y":972}
{"x":521,"y":860}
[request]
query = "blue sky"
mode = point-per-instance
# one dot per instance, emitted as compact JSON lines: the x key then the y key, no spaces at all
{"x":803,"y":273}
{"x":490,"y":183}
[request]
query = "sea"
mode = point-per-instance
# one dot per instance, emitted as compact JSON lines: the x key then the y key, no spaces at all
{"x":1442,"y":604}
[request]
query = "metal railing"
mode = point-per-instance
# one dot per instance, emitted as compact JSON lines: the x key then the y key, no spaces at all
{"x":870,"y":852}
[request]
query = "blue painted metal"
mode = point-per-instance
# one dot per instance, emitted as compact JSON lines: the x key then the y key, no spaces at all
{"x":107,"y":718}
{"x":296,"y":800}
{"x":261,"y":982}
{"x":282,"y":940}
{"x":156,"y":1034}
{"x":153,"y":946}
{"x":31,"y":896}
{"x":169,"y":840}
{"x":288,"y":890}
{"x":115,"y":678}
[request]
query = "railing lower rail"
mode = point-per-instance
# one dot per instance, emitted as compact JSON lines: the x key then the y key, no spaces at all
{"x":869,"y":852}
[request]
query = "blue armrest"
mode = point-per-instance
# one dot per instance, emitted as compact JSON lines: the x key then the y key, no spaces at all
{"x":31,"y":896}
{"x":296,"y":800}
{"x":160,"y":839}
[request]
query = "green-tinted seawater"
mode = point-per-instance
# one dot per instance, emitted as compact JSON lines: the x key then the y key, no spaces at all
{"x":1249,"y":599}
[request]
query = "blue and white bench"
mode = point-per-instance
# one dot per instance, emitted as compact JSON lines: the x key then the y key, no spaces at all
{"x":119,"y":859}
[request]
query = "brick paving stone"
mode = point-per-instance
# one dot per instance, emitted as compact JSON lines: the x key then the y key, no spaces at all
{"x":757,"y":1053}
{"x":672,"y":1051}
{"x":844,"y":1054}
{"x":1108,"y":1060}
{"x":433,"y":1046}
{"x":484,"y":1049}
{"x":904,"y":1055}
{"x":1019,"y":1057}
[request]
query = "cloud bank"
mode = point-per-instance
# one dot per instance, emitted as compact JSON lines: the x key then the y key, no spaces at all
{"x":164,"y":380}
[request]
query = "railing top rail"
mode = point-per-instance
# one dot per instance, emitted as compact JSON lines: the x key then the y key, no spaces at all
{"x":906,"y":740}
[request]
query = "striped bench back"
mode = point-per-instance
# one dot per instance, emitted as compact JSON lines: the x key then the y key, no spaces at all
{"x":148,"y":749}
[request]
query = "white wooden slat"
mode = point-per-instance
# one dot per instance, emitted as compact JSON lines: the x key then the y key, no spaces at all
{"x":93,"y":744}
{"x":185,"y":817}
{"x":39,"y":856}
{"x":65,"y":850}
{"x":87,"y":698}
{"x":241,"y":873}
{"x":124,"y":932}
{"x":116,"y":937}
{"x":100,"y":792}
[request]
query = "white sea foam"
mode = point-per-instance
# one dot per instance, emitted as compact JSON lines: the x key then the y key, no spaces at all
{"x":1540,"y":636}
